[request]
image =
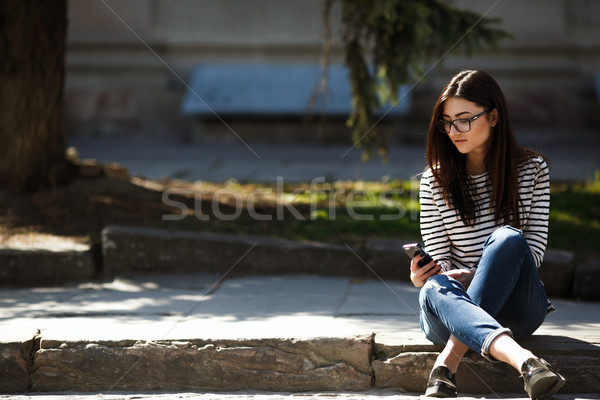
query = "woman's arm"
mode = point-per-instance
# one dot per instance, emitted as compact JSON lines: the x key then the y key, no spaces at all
{"x":433,"y":230}
{"x":435,"y":237}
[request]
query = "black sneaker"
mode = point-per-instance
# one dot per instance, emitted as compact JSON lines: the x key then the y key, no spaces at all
{"x":540,"y":379}
{"x":442,"y":383}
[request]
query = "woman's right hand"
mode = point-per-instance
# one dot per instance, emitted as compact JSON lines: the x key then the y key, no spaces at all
{"x":419,"y":275}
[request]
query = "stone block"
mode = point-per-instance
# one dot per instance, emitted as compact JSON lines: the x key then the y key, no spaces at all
{"x":15,"y":364}
{"x":404,"y":372}
{"x":557,"y":272}
{"x":268,"y":364}
{"x":143,"y":250}
{"x":14,"y":376}
{"x":587,"y":281}
{"x":406,"y":367}
{"x":35,"y":267}
{"x":387,"y":260}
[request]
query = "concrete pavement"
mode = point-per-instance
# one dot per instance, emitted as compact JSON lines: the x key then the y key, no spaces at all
{"x":299,"y":333}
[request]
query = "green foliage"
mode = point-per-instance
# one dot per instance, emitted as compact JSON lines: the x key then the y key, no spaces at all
{"x":386,"y":44}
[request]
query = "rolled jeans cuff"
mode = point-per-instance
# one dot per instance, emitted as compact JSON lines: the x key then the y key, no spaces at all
{"x":485,"y":349}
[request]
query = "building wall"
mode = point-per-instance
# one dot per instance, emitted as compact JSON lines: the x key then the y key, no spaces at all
{"x":126,"y":65}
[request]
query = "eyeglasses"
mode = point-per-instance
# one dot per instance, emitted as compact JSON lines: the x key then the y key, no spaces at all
{"x":460,"y":124}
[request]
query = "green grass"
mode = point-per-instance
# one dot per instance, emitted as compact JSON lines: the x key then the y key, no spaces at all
{"x":575,"y":217}
{"x":357,"y":211}
{"x":340,"y":212}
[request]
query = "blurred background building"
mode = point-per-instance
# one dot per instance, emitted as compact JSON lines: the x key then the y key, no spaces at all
{"x":127,"y":62}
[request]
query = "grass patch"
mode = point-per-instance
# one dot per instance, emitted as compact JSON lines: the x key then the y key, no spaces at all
{"x":575,"y":217}
{"x":339,"y":212}
{"x":356,"y":211}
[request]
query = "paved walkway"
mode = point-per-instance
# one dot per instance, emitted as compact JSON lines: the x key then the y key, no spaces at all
{"x":573,"y":155}
{"x":155,"y":307}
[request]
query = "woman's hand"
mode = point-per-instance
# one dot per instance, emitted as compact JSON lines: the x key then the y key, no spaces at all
{"x":464,"y":276}
{"x":419,"y":275}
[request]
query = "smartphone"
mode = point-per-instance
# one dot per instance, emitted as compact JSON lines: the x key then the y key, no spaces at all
{"x":414,"y":249}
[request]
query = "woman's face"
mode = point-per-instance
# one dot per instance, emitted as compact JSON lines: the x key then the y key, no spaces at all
{"x":477,"y":141}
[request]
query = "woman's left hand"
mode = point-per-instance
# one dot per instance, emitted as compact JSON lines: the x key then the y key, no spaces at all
{"x":464,"y":276}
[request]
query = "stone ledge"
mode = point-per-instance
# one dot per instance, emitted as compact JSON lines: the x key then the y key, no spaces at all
{"x":587,"y":281}
{"x":319,"y":364}
{"x":557,"y":272}
{"x":269,"y":364}
{"x":33,"y":267}
{"x":143,"y":250}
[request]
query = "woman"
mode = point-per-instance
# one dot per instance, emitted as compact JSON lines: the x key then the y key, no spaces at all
{"x":484,"y":220}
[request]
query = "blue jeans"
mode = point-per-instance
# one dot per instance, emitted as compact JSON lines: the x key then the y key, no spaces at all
{"x":505,"y":296}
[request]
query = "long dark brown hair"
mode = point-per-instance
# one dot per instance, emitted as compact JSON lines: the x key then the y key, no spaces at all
{"x":448,"y":165}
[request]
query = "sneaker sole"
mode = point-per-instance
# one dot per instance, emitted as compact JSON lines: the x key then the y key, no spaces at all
{"x":547,"y":386}
{"x":440,"y":392}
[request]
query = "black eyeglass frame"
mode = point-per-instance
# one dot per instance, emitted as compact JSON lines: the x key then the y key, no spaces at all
{"x":442,"y":123}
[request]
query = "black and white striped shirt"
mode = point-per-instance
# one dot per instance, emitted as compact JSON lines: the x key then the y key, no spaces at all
{"x":456,"y":245}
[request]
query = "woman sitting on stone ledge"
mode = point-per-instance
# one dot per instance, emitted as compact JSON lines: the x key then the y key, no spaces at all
{"x":484,"y":221}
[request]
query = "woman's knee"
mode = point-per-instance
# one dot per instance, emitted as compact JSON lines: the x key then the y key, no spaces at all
{"x":425,"y":292}
{"x":436,"y":285}
{"x":507,"y":236}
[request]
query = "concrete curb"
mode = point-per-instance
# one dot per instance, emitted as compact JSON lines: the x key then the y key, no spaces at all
{"x":149,"y":250}
{"x":135,"y":250}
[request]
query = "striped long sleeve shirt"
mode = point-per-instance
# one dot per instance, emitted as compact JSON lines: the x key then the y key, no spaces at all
{"x":456,"y":245}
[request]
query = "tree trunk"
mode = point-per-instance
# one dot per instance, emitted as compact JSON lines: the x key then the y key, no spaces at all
{"x":32,"y":53}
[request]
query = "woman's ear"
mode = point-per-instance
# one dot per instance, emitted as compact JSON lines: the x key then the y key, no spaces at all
{"x":494,"y":117}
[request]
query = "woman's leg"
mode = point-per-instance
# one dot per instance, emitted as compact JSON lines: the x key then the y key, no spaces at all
{"x":452,"y":354}
{"x":507,"y":285}
{"x":505,"y":349}
{"x":450,"y":317}
{"x":447,"y":309}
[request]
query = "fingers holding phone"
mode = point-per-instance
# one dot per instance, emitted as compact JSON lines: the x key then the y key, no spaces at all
{"x":422,"y":266}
